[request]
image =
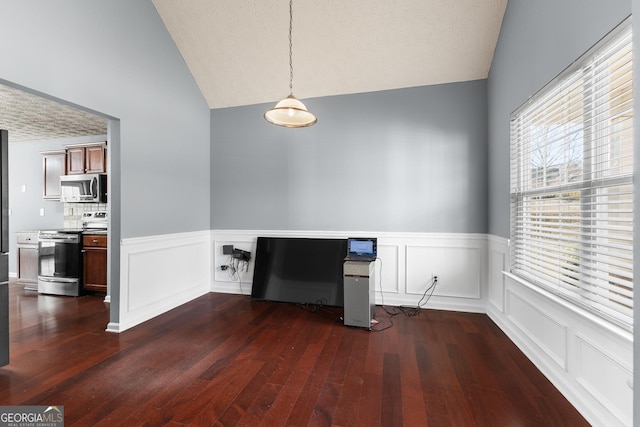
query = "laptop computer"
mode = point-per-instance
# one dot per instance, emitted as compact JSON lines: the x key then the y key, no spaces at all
{"x":363,"y":249}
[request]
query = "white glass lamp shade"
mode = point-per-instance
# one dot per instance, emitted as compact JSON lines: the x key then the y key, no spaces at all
{"x":290,"y":113}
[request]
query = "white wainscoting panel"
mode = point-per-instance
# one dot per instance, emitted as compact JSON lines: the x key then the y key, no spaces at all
{"x":612,"y":389}
{"x":387,"y":273}
{"x":424,"y":262}
{"x":546,"y":332}
{"x":160,"y":273}
{"x":587,"y":359}
{"x":498,"y":262}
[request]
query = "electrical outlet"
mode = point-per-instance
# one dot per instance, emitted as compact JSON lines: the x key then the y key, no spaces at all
{"x":41,"y":211}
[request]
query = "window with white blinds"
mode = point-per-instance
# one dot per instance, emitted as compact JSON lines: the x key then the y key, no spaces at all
{"x":572,"y":182}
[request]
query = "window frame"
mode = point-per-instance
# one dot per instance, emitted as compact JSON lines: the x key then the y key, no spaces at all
{"x":583,"y":266}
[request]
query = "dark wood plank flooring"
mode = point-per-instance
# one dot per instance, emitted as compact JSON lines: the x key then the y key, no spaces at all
{"x":224,"y":360}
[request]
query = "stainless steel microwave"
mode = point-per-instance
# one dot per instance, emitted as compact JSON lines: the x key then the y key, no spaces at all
{"x":84,"y":188}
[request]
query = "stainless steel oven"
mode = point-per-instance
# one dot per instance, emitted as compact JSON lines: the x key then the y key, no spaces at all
{"x":59,"y":262}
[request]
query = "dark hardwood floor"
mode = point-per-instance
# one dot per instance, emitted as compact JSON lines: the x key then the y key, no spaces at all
{"x":224,"y":360}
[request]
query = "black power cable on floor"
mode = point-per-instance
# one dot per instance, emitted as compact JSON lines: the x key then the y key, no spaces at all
{"x":415,"y":310}
{"x":408,"y":310}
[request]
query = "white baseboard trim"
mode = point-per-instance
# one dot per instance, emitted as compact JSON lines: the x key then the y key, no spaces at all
{"x":166,"y":304}
{"x":113,"y":327}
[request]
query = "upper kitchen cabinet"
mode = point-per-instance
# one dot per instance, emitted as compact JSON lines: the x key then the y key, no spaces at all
{"x":86,"y":158}
{"x":53,"y":166}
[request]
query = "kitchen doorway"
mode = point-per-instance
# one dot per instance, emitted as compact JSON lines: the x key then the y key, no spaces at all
{"x":36,"y":118}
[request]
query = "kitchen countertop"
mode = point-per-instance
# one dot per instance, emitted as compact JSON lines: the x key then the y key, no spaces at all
{"x":92,"y":231}
{"x":103,"y":232}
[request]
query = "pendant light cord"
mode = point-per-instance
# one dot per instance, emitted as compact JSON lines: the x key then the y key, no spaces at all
{"x":290,"y":48}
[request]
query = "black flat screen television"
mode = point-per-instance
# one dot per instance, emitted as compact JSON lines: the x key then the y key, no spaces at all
{"x":299,"y":270}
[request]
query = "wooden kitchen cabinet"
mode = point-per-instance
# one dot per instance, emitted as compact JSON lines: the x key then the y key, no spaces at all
{"x":27,"y":258}
{"x":53,"y":166}
{"x":94,"y":262}
{"x":86,"y":159}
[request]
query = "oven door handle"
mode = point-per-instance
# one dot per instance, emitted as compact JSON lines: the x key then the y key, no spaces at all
{"x":57,"y":239}
{"x":56,"y":279}
{"x":94,"y":188}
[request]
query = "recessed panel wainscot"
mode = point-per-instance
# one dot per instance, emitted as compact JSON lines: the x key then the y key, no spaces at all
{"x":458,"y":270}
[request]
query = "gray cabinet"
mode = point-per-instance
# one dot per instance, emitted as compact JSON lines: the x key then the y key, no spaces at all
{"x":53,"y":166}
{"x":27,"y":258}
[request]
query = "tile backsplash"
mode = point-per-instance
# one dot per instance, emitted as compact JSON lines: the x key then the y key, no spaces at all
{"x":73,"y":212}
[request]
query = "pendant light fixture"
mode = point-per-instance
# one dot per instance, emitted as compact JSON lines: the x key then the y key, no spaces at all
{"x":290,"y":112}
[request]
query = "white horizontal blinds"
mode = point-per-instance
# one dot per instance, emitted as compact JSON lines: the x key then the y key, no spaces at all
{"x":571,"y":183}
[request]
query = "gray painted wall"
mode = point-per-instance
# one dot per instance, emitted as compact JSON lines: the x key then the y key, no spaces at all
{"x":25,"y":168}
{"x":538,"y":40}
{"x":116,"y":57}
{"x":408,"y":160}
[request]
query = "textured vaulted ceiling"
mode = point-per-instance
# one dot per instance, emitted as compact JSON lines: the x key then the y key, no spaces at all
{"x":238,"y":50}
{"x":238,"y":53}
